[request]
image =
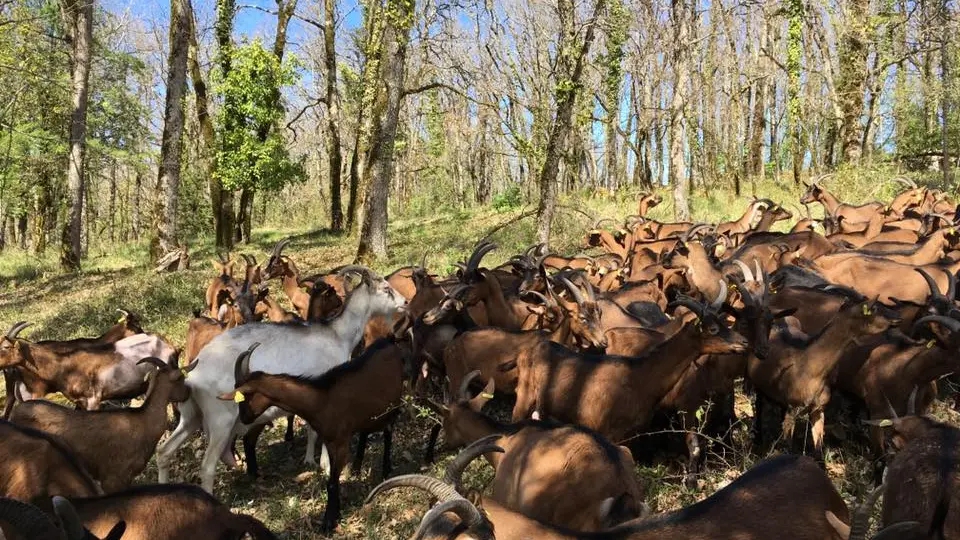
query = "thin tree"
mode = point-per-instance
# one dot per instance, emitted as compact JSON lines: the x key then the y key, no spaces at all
{"x":571,"y":59}
{"x":79,"y":24}
{"x":334,"y":151}
{"x":681,"y":15}
{"x":168,"y":178}
{"x":223,"y":29}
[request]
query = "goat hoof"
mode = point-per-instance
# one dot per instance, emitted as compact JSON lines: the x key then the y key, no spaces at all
{"x":690,"y":481}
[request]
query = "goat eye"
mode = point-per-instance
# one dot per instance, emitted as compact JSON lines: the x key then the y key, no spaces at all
{"x":713,"y":329}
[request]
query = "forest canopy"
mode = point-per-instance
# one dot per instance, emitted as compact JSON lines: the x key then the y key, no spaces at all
{"x":171,"y":121}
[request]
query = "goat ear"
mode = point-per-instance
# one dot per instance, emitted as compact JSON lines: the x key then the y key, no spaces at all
{"x":784,"y":313}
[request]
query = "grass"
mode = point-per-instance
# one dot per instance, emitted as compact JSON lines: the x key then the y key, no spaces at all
{"x":290,"y":497}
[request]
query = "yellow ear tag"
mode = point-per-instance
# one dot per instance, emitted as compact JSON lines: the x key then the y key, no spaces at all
{"x":866,"y":309}
{"x":720,"y":250}
{"x":185,"y":372}
{"x":121,"y":319}
{"x":238,"y":397}
{"x":886,"y":422}
{"x":930,"y":344}
{"x":486,"y":395}
{"x":733,"y":286}
{"x":953,"y":230}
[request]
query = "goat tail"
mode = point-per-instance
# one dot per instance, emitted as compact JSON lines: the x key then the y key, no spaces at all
{"x":253,"y":526}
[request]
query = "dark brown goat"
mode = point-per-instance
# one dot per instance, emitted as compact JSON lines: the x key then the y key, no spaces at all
{"x":167,"y":512}
{"x":359,"y":396}
{"x":615,"y":395}
{"x":781,"y":497}
{"x":113,"y":445}
{"x":35,"y":466}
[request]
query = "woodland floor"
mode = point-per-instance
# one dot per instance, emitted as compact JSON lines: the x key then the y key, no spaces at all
{"x":289,"y":496}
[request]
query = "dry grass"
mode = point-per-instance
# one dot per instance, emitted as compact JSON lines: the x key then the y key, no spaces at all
{"x":290,"y":497}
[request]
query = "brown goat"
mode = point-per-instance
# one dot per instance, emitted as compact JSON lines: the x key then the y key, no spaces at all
{"x":359,"y":396}
{"x":223,"y":282}
{"x":113,"y":445}
{"x":614,"y":395}
{"x":167,"y":512}
{"x":544,"y":464}
{"x":782,"y":497}
{"x":35,"y":466}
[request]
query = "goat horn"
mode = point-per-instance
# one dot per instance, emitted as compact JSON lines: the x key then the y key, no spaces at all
{"x":823,"y":177}
{"x":951,"y":286}
{"x":747,"y":274}
{"x":464,"y":509}
{"x":249,"y":259}
{"x":905,"y":181}
{"x":423,"y":261}
{"x":689,"y":303}
{"x":241,"y":369}
{"x":860,"y":521}
{"x":68,"y":517}
{"x":596,"y":225}
{"x":912,"y":401}
{"x":541,"y":297}
{"x":124,"y":313}
{"x":191,"y":366}
{"x":759,"y":271}
{"x":438,"y":488}
{"x":721,"y":296}
{"x":574,"y":290}
{"x":948,"y":322}
{"x":462,"y":392}
{"x":482,"y":249}
{"x":278,"y":247}
{"x":886,"y":400}
{"x":16,"y":329}
{"x":477,"y":448}
{"x":154,"y":361}
{"x":693,"y":229}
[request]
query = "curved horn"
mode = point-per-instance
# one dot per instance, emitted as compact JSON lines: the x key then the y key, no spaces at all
{"x":543,"y":299}
{"x":596,"y":225}
{"x":223,"y":258}
{"x":438,"y":488}
{"x":931,"y":283}
{"x":241,"y":369}
{"x":123,"y":313}
{"x":912,"y":402}
{"x":68,"y":517}
{"x":823,"y":177}
{"x":482,"y":249}
{"x":689,"y":303}
{"x":16,"y":328}
{"x":886,"y":400}
{"x":721,"y":296}
{"x":464,"y":509}
{"x":249,"y":259}
{"x":747,"y":274}
{"x":574,"y":290}
{"x":950,"y":323}
{"x":154,"y":361}
{"x":860,"y":521}
{"x":759,"y":271}
{"x":692,"y":230}
{"x":477,"y":448}
{"x":905,"y":181}
{"x":462,"y":392}
{"x":191,"y":366}
{"x":278,"y":247}
{"x":951,"y":286}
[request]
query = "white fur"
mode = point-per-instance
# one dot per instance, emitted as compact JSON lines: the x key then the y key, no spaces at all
{"x":294,"y":349}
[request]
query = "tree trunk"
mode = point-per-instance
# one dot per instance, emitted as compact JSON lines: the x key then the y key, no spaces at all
{"x":949,"y":88}
{"x":678,"y":121}
{"x":168,"y":177}
{"x":396,"y":35}
{"x":223,"y":29}
{"x":112,"y":203}
{"x":135,"y":220}
{"x":80,"y":13}
{"x":244,"y":216}
{"x":370,"y":84}
{"x":570,"y":65}
{"x":853,"y":74}
{"x":208,"y":163}
{"x":334,"y":151}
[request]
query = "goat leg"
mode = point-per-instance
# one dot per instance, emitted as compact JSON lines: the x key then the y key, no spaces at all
{"x":757,"y":422}
{"x":338,"y":456}
{"x":387,"y":444}
{"x":358,"y":456}
{"x":250,"y":449}
{"x":695,"y":457}
{"x":288,"y":436}
{"x":428,"y":456}
{"x":10,"y":381}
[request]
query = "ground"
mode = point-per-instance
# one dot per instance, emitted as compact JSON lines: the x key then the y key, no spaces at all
{"x":289,"y":496}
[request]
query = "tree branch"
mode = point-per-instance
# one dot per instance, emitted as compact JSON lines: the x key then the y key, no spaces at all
{"x":318,"y":101}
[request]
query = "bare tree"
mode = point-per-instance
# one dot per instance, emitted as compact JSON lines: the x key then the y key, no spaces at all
{"x":78,"y":15}
{"x":571,"y":59}
{"x":396,"y":35}
{"x":334,"y":151}
{"x":168,"y":178}
{"x":682,"y":16}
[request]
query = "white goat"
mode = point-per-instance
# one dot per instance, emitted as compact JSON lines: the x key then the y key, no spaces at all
{"x":289,"y":348}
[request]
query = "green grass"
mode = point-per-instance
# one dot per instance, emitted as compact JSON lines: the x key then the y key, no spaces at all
{"x":290,"y":497}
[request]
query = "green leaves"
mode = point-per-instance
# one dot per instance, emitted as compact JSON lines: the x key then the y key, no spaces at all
{"x":251,"y":150}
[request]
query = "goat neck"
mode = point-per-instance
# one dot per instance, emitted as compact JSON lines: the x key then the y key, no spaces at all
{"x":354,"y":316}
{"x":826,"y":349}
{"x":499,"y":312}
